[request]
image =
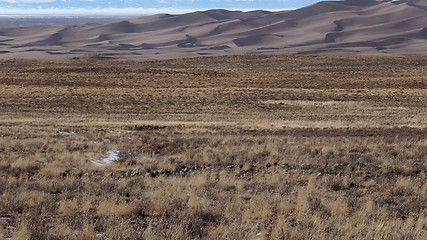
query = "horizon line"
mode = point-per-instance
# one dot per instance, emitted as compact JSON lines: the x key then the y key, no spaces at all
{"x":10,"y":12}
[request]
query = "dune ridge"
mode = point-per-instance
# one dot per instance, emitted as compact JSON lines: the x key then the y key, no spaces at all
{"x":334,"y":27}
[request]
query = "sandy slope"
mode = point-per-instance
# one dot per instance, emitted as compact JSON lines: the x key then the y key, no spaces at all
{"x":345,"y":27}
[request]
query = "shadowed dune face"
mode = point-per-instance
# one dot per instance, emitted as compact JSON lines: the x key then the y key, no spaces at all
{"x":351,"y":26}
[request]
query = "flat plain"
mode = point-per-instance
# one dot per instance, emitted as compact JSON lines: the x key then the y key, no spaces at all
{"x":233,"y":147}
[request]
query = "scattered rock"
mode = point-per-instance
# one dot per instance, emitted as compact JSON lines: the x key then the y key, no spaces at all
{"x":285,"y":165}
{"x":132,"y":173}
{"x":181,"y":170}
{"x":339,"y":165}
{"x":339,"y":169}
{"x":360,"y":164}
{"x":230,"y":166}
{"x":135,"y":172}
{"x":245,"y":173}
{"x":159,"y":172}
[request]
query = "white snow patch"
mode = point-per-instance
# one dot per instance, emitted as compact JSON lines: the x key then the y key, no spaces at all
{"x":111,"y":157}
{"x":4,"y":218}
{"x":67,"y":132}
{"x":115,"y":132}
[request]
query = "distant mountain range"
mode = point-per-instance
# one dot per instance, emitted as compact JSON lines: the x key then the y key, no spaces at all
{"x":335,"y":27}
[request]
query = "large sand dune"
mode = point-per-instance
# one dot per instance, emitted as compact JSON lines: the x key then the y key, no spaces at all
{"x":341,"y":27}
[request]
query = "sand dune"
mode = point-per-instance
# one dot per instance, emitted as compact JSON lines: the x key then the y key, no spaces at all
{"x":338,"y":27}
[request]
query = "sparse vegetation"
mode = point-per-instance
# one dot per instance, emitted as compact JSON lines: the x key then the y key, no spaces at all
{"x":239,"y":147}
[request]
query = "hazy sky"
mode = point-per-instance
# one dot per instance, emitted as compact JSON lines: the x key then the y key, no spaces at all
{"x":132,"y":7}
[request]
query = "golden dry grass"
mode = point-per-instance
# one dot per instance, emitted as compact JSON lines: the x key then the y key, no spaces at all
{"x":238,"y":147}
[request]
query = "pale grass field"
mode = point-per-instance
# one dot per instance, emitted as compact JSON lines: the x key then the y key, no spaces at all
{"x":239,"y":147}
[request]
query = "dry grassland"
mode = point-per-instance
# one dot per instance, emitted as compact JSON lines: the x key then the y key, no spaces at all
{"x":237,"y":147}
